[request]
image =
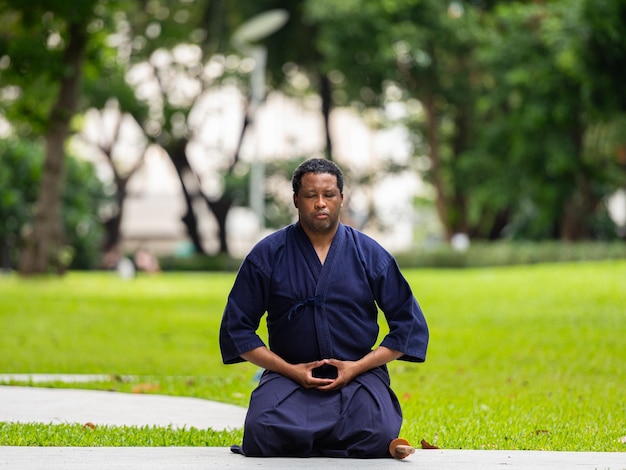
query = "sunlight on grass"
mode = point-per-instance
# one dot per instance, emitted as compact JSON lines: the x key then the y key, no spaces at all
{"x":520,"y":357}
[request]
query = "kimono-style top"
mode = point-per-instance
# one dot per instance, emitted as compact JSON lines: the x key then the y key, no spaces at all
{"x":319,"y":311}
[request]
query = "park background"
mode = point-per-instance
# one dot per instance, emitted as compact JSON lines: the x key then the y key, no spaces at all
{"x":473,"y":134}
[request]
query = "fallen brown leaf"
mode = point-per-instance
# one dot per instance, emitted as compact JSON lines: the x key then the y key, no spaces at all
{"x":428,"y":445}
{"x":146,"y":388}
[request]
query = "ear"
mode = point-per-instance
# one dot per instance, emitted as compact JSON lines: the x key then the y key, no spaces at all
{"x":295,"y":201}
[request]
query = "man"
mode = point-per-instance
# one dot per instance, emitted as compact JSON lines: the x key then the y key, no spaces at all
{"x":324,"y":391}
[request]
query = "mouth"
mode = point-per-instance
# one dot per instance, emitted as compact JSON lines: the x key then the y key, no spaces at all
{"x":321,"y":215}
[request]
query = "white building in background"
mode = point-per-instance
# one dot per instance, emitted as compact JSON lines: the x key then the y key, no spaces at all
{"x":617,"y":210}
{"x":283,"y":128}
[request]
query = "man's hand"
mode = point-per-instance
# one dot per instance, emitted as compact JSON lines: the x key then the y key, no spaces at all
{"x":346,"y":372}
{"x":299,"y":373}
{"x":303,"y":373}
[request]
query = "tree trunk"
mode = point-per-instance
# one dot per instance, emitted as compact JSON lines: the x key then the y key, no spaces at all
{"x":220,"y":210}
{"x":220,"y":207}
{"x":113,"y":225}
{"x":577,"y":213}
{"x":44,"y":244}
{"x":177,"y":152}
{"x":327,"y":101}
{"x":578,"y":209}
{"x":6,"y":254}
{"x":432,"y":136}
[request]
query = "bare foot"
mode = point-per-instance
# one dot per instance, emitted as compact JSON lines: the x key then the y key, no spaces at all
{"x":400,"y":449}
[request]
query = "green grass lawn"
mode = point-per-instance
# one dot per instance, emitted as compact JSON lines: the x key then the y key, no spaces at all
{"x":525,"y":357}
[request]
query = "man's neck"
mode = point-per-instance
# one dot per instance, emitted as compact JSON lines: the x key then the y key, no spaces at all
{"x":321,"y":241}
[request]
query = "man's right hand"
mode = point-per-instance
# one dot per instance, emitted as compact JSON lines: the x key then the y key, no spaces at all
{"x":299,"y":373}
{"x":304,"y":375}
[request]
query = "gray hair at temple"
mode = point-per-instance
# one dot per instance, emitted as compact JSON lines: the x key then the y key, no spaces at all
{"x":317,"y":166}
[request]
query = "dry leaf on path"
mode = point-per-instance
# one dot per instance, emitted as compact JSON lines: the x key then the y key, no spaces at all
{"x":428,"y":445}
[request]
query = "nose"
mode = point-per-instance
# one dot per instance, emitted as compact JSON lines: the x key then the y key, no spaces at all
{"x":320,"y":202}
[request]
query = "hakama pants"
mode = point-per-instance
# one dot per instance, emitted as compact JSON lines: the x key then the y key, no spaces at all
{"x":287,"y":420}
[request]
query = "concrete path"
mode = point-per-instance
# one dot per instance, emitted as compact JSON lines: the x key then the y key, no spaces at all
{"x":46,"y":405}
{"x":56,"y":406}
{"x":182,"y":458}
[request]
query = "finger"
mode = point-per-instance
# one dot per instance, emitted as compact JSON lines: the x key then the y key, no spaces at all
{"x":334,"y":385}
{"x":327,"y":388}
{"x":317,"y":383}
{"x":315,"y":364}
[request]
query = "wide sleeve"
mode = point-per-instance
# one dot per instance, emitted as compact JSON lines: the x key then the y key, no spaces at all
{"x":408,"y":330}
{"x":243,"y":312}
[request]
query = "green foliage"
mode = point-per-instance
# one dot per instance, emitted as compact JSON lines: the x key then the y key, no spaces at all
{"x":398,"y":41}
{"x":604,"y":54}
{"x":222,"y":262}
{"x":20,"y":173}
{"x":519,"y":358}
{"x":507,"y":253}
{"x":505,"y":103}
{"x":33,"y":45}
{"x":479,"y":254}
{"x":522,"y":97}
{"x":533,"y":162}
{"x":539,"y":100}
{"x":424,"y":63}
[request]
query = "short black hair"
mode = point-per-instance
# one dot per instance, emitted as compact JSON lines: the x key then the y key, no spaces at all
{"x":317,"y":166}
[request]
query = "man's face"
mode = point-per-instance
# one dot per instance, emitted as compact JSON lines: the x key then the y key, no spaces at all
{"x":318,"y":202}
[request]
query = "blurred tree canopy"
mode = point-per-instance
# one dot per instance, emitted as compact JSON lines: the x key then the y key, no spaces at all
{"x":515,"y":109}
{"x":502,"y":100}
{"x":43,"y":48}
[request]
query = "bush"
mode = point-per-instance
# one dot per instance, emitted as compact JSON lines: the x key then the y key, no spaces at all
{"x":500,"y":253}
{"x":504,"y":253}
{"x":21,"y":163}
{"x":199,"y":263}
